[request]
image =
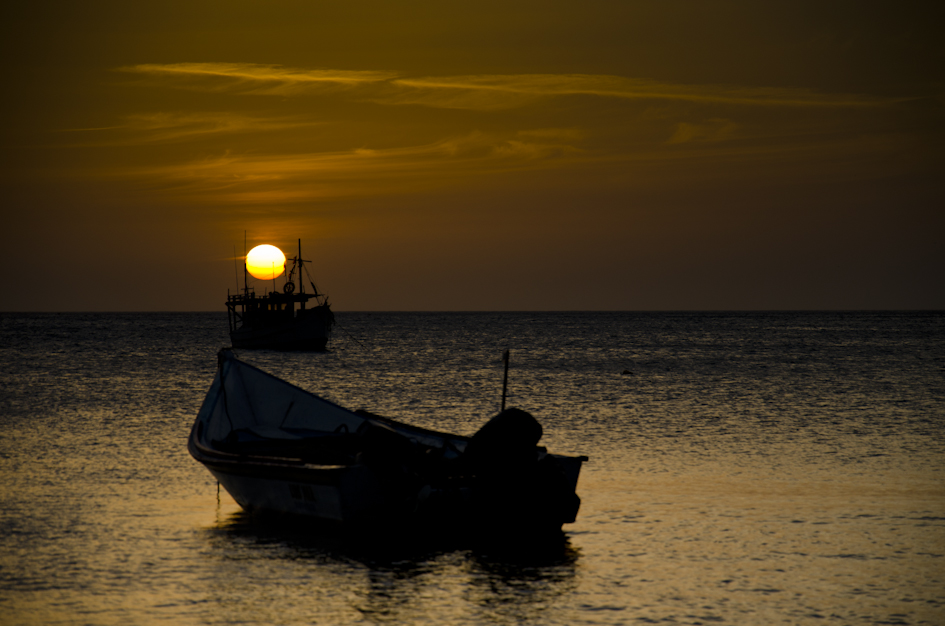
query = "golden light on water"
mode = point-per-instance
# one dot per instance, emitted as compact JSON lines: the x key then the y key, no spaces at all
{"x":265,"y":262}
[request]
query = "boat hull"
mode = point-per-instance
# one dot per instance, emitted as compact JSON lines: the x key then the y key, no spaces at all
{"x":332,"y":493}
{"x":309,"y":331}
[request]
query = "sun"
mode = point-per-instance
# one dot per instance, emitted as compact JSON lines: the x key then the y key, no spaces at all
{"x":265,"y":262}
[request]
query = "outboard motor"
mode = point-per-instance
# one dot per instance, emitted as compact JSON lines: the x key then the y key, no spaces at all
{"x":507,"y":442}
{"x":516,"y":481}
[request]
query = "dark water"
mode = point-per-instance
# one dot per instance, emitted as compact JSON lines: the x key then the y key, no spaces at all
{"x":748,"y":468}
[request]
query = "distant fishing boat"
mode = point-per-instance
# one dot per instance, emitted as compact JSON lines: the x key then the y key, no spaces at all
{"x":276,"y":447}
{"x":272,"y":321}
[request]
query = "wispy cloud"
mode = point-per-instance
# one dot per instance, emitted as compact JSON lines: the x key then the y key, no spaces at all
{"x":475,"y":92}
{"x":504,"y":91}
{"x":277,"y":180}
{"x":174,"y":127}
{"x":251,"y":178}
{"x":255,"y":78}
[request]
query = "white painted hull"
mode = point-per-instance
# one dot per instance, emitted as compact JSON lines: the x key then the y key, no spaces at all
{"x":294,"y":495}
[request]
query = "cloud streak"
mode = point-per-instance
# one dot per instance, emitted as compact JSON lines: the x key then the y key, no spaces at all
{"x":254,"y":78}
{"x":164,"y":127}
{"x":503,"y":91}
{"x":254,"y":178}
{"x":284,"y":179}
{"x":474,"y":92}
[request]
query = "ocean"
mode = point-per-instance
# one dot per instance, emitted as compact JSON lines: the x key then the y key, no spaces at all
{"x":745,"y":468}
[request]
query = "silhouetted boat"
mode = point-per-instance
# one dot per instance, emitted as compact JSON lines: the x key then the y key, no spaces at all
{"x":272,"y":321}
{"x":276,"y":447}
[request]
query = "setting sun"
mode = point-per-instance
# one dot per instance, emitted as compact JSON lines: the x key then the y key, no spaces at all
{"x":265,"y":262}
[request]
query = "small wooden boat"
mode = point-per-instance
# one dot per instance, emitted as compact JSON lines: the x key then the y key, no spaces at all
{"x":281,"y":321}
{"x":276,"y":447}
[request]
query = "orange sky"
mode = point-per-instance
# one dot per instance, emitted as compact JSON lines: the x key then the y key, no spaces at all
{"x":479,"y":156}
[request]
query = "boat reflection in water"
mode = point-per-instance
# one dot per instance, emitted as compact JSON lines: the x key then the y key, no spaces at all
{"x":347,"y":576}
{"x":279,"y":449}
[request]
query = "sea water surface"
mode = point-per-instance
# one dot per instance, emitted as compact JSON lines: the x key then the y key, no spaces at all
{"x":745,"y":468}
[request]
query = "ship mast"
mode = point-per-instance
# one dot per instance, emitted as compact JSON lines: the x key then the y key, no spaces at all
{"x":245,"y":270}
{"x":298,"y":264}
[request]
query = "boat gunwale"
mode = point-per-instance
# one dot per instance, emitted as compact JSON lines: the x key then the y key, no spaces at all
{"x":278,"y":468}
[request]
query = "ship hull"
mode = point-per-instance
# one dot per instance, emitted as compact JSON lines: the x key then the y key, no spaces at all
{"x":309,"y":331}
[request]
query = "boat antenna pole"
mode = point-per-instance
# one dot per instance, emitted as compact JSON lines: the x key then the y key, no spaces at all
{"x":298,"y":263}
{"x":505,"y":381}
{"x":245,"y":278}
{"x":310,"y":280}
{"x":297,"y":267}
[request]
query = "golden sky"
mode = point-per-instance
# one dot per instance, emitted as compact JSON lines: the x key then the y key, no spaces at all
{"x":596,"y":155}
